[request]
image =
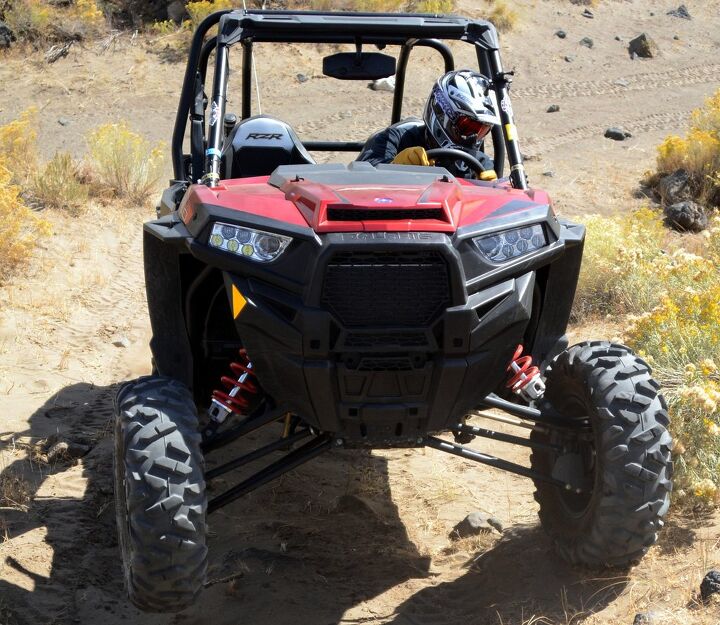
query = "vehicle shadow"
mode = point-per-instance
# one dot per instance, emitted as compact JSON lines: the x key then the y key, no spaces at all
{"x":304,"y":549}
{"x":519,"y":580}
{"x":313,"y":547}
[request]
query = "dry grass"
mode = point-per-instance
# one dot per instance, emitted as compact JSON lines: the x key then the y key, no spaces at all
{"x":503,"y":16}
{"x":59,"y":185}
{"x":14,"y":491}
{"x":41,"y":22}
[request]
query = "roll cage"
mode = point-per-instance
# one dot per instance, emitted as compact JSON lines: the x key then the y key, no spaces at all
{"x":248,"y":27}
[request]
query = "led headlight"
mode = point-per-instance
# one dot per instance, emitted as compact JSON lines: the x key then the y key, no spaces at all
{"x":252,"y":244}
{"x":502,"y":246}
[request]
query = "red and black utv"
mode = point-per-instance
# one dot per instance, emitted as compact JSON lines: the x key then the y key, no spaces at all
{"x":354,"y":306}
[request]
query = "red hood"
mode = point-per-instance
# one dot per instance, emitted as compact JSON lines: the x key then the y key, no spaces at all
{"x":435,"y":207}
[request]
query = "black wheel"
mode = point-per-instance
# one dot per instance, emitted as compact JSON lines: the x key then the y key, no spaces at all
{"x":619,"y":455}
{"x":160,"y":498}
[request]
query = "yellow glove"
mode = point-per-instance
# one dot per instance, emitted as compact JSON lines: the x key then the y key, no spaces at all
{"x":413,"y":156}
{"x":488,"y":174}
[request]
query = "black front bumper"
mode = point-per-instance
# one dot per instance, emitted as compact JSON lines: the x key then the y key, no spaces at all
{"x":379,"y":348}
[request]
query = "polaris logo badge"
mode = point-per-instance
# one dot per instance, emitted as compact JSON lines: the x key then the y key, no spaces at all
{"x":265,"y":135}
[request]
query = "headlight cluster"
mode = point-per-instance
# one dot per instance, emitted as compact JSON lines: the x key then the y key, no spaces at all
{"x":501,"y":246}
{"x":252,"y":244}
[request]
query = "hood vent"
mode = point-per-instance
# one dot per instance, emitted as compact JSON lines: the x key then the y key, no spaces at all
{"x":341,"y":213}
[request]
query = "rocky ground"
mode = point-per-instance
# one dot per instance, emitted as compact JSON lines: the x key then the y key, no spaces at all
{"x":354,"y":537}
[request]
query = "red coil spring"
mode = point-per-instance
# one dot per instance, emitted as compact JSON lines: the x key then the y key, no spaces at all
{"x":240,"y":400}
{"x":526,"y":368}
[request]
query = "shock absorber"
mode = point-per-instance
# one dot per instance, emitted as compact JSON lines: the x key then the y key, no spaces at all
{"x":525,"y":378}
{"x":241,"y":389}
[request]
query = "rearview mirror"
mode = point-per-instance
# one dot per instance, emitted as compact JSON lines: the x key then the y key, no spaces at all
{"x":359,"y":65}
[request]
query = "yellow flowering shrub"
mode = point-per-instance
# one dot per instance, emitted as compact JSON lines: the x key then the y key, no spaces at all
{"x":20,"y":228}
{"x":17,"y":145}
{"x":198,"y":11}
{"x":698,"y":153}
{"x":126,"y":164}
{"x":35,"y":19}
{"x":670,"y":301}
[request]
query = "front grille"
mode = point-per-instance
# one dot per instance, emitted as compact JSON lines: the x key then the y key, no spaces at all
{"x":384,"y":214}
{"x":390,"y":289}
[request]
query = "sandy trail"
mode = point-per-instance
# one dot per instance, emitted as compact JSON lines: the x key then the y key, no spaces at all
{"x":301,"y":551}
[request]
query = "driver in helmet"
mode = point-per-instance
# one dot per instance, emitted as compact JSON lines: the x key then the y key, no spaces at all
{"x":459,"y":114}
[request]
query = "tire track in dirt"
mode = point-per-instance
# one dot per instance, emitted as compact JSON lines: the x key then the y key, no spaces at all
{"x":639,"y":82}
{"x":670,"y":121}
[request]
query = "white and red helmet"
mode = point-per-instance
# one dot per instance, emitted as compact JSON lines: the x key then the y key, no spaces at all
{"x":460,"y":110}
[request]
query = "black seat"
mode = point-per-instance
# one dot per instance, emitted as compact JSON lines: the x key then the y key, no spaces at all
{"x":258,"y":145}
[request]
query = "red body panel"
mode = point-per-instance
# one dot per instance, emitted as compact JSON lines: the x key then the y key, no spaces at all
{"x":306,"y":203}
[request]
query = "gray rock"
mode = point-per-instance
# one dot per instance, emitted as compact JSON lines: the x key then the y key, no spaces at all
{"x":587,"y":42}
{"x":676,"y":37}
{"x":176,"y":11}
{"x":675,"y":188}
{"x":302,"y":78}
{"x":561,"y":34}
{"x":553,"y":108}
{"x":549,"y":174}
{"x":496,"y":523}
{"x":687,"y":216}
{"x":569,"y":59}
{"x":588,"y":13}
{"x":617,"y":134}
{"x":384,"y":84}
{"x":121,"y":341}
{"x":474,"y":524}
{"x":643,"y":46}
{"x":7,"y":36}
{"x":621,"y":82}
{"x":618,"y":38}
{"x":710,"y":585}
{"x":681,"y":12}
{"x":644,"y":618}
{"x":63,"y":121}
{"x":66,"y":450}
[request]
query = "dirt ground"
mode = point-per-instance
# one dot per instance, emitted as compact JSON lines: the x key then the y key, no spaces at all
{"x":353,"y":537}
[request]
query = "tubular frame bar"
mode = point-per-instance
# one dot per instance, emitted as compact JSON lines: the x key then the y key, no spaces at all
{"x":256,"y":454}
{"x":247,"y":425}
{"x":492,"y":461}
{"x":188,"y":92}
{"x":401,"y":69}
{"x":505,"y":438}
{"x":527,"y":413}
{"x":294,"y":459}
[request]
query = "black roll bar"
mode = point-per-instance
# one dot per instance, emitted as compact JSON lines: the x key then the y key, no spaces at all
{"x":381,"y":29}
{"x":402,"y":68}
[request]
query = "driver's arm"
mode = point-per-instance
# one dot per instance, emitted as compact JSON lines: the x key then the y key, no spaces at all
{"x":385,"y":145}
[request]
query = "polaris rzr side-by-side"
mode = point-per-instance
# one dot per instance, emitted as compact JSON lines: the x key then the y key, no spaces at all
{"x":360,"y":306}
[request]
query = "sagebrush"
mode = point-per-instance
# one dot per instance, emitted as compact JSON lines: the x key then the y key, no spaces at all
{"x":667,"y":298}
{"x":125,"y":164}
{"x":698,"y":153}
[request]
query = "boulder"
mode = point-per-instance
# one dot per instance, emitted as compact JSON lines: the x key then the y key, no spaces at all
{"x":587,"y":42}
{"x":588,"y":13}
{"x":710,"y":585}
{"x":553,"y":108}
{"x":675,"y":188}
{"x":383,"y":84}
{"x":474,"y":524}
{"x":617,"y":134}
{"x":644,"y":618}
{"x":643,"y":46}
{"x":176,"y":11}
{"x":7,"y":36}
{"x":560,"y":34}
{"x":686,"y":216}
{"x":680,"y":12}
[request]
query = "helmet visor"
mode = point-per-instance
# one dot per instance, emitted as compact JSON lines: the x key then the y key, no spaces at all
{"x":471,"y":130}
